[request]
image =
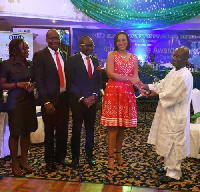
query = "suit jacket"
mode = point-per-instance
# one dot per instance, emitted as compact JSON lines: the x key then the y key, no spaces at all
{"x":78,"y":81}
{"x":46,"y":76}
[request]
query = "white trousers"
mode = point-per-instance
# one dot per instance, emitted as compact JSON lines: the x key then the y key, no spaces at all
{"x":173,"y":166}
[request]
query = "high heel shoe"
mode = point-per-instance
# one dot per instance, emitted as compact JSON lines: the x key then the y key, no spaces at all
{"x":28,"y":170}
{"x":18,"y":174}
{"x":110,"y":170}
{"x":123,"y":164}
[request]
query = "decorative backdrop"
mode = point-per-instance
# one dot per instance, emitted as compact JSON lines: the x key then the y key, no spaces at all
{"x":143,"y":42}
{"x":137,"y":14}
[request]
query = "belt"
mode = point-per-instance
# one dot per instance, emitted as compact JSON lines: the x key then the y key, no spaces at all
{"x":63,"y":93}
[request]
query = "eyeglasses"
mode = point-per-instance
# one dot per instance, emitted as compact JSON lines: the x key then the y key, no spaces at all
{"x":54,"y":38}
{"x":88,"y":45}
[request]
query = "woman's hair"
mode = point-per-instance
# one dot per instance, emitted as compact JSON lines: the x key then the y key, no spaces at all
{"x":14,"y":47}
{"x":116,"y":37}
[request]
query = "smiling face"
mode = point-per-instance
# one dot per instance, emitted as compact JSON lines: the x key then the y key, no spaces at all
{"x":122,"y":42}
{"x":180,"y":57}
{"x":119,"y":38}
{"x":24,"y":49}
{"x":86,"y":45}
{"x":53,"y":39}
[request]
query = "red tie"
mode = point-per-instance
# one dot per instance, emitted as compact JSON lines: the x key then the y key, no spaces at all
{"x":89,"y":67}
{"x":60,"y":72}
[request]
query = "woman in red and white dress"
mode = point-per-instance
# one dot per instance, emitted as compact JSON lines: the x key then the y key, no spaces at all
{"x":119,"y":102}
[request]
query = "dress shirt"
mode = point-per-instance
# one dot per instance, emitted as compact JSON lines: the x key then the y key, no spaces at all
{"x":85,"y":62}
{"x":62,"y":89}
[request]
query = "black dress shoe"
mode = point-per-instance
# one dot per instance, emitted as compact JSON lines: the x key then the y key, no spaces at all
{"x":91,"y":161}
{"x":50,"y":166}
{"x":75,"y":163}
{"x":161,"y":170}
{"x":63,"y":162}
{"x":166,"y":179}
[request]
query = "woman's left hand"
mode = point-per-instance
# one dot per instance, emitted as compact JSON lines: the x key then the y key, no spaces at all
{"x":30,"y":87}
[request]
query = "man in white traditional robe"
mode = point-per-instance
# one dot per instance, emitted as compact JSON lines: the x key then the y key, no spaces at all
{"x":170,"y":128}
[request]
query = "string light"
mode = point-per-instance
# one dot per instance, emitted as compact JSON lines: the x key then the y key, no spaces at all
{"x":133,"y":14}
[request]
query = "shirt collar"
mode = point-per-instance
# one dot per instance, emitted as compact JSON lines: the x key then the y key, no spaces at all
{"x":14,"y":62}
{"x":52,"y":51}
{"x":84,"y":56}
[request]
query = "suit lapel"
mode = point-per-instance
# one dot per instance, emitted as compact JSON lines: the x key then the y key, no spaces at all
{"x":50,"y":58}
{"x":82,"y":65}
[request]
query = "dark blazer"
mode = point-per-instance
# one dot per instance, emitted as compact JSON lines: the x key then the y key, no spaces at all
{"x":78,"y":81}
{"x":46,"y":76}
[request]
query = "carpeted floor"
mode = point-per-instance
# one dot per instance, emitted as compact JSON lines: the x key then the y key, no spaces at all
{"x":141,"y":158}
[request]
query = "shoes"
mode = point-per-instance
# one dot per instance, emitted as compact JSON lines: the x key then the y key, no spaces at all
{"x":50,"y":167}
{"x":75,"y":163}
{"x":110,"y":170}
{"x":123,"y":164}
{"x":63,"y":162}
{"x":91,"y":161}
{"x":166,"y":179}
{"x":161,"y":170}
{"x":18,"y":174}
{"x":28,"y":170}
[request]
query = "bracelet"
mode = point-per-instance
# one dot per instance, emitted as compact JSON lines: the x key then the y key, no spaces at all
{"x":16,"y":85}
{"x":80,"y":99}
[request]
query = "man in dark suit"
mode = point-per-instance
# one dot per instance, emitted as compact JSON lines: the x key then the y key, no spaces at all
{"x":84,"y":85}
{"x":49,"y":71}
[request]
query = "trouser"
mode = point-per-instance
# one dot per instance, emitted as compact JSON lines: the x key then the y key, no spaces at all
{"x":82,"y":113}
{"x":173,"y":166}
{"x":56,"y":128}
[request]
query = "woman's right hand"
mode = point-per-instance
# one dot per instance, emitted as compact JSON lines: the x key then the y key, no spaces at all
{"x":23,"y":85}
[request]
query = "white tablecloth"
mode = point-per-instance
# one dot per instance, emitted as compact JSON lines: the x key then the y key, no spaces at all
{"x":4,"y":135}
{"x":194,"y":140}
{"x":195,"y":100}
{"x":35,"y":137}
{"x":38,"y":135}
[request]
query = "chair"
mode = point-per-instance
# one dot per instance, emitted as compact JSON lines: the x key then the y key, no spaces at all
{"x":195,"y":100}
{"x":195,"y":139}
{"x":195,"y":127}
{"x":38,"y":135}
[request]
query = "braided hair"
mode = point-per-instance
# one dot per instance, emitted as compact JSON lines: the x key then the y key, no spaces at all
{"x":14,"y":47}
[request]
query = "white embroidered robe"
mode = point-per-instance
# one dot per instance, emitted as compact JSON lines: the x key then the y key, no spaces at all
{"x":171,"y":122}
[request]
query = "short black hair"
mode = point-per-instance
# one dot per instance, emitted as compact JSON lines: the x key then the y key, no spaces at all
{"x":116,"y":37}
{"x":14,"y":46}
{"x":47,"y":34}
{"x":84,"y":37}
{"x":153,"y":54}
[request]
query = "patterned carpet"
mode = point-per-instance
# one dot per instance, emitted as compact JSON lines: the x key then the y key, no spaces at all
{"x":140,"y":156}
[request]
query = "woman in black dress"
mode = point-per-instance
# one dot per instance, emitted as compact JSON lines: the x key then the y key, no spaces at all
{"x":16,"y":77}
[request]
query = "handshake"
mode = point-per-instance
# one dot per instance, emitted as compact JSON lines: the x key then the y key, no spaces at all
{"x":143,"y":89}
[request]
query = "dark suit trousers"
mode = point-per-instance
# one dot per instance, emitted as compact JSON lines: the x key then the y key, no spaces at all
{"x":81,"y":113}
{"x":56,"y":128}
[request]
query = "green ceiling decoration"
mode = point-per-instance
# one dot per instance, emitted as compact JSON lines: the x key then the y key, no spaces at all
{"x":137,"y":14}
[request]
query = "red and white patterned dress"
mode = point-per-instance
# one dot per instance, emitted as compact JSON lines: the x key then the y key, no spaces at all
{"x":119,"y":103}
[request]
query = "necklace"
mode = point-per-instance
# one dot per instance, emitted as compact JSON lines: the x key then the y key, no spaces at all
{"x":123,"y":57}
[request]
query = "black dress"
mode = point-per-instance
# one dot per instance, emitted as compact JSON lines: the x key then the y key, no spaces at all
{"x":21,"y":106}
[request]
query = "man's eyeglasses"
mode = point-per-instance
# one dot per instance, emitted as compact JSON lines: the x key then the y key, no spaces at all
{"x":88,"y":45}
{"x":54,"y":38}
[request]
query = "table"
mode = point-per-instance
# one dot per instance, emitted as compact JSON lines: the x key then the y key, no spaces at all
{"x":194,"y":140}
{"x":35,"y":137}
{"x":38,"y":135}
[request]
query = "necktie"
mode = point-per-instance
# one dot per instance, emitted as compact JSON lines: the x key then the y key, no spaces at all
{"x":60,"y":72}
{"x":89,"y":67}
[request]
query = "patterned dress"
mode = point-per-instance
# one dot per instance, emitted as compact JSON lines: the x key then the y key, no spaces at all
{"x":119,"y":103}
